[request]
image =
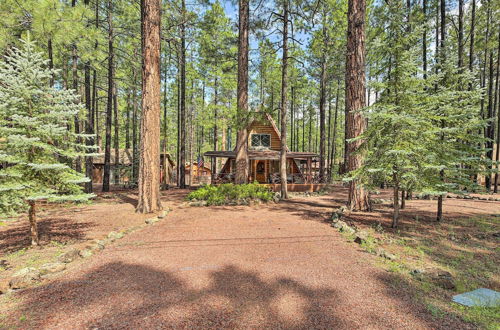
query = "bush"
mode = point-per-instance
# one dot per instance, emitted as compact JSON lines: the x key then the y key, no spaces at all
{"x":230,"y":193}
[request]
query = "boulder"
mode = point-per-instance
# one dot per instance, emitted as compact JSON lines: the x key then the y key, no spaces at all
{"x":338,"y":224}
{"x":24,"y":278}
{"x":163,"y":213}
{"x":69,"y":256}
{"x":347,"y":229}
{"x":51,"y":268}
{"x":4,"y":286}
{"x":440,"y":278}
{"x":361,"y":237}
{"x":115,"y":235}
{"x":85,"y":253}
{"x":150,"y":221}
{"x":384,"y":254}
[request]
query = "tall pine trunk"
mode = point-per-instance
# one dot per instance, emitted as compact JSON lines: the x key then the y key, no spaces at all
{"x":109,"y":106}
{"x":242,"y":111}
{"x":497,"y":111}
{"x":355,"y":99}
{"x":149,"y":166}
{"x":182,"y":151}
{"x":116,"y":138}
{"x":74,"y":69}
{"x":89,"y":125}
{"x":284,"y":82}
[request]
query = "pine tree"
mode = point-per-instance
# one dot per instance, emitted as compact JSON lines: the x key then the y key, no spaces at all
{"x":35,"y":143}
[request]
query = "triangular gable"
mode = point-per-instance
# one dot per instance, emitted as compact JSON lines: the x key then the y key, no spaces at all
{"x":272,"y":123}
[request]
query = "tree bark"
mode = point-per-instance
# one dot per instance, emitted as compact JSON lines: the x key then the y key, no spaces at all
{"x":35,"y":239}
{"x":182,"y":158}
{"x":355,"y":99}
{"x":74,"y":69}
{"x":109,"y":106}
{"x":395,"y":215}
{"x":334,"y":137}
{"x":460,"y":34}
{"x":242,"y":112}
{"x":424,"y":38}
{"x":497,"y":111}
{"x":116,"y":142}
{"x":51,"y":61}
{"x":284,"y":82}
{"x":149,"y":166}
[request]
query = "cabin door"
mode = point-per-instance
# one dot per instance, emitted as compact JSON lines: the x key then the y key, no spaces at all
{"x":260,"y":171}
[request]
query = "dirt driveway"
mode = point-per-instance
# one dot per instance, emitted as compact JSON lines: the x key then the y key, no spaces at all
{"x":267,"y":266}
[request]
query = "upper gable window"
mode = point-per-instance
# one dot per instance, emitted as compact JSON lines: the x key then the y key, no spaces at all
{"x":261,"y":140}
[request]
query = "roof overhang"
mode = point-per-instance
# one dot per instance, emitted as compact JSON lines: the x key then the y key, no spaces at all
{"x":261,"y":154}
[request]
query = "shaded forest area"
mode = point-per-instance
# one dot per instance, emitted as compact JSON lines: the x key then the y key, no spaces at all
{"x":393,"y":93}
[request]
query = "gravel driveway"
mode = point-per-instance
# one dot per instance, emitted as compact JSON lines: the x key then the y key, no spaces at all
{"x":271,"y":266}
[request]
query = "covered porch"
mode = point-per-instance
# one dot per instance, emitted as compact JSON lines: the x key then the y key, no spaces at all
{"x":264,"y":167}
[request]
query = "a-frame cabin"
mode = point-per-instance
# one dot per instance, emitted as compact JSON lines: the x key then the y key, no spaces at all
{"x":264,"y":145}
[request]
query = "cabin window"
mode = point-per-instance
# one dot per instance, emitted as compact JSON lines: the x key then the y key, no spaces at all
{"x":261,"y":140}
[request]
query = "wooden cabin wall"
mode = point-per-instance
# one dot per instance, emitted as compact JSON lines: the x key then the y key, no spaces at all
{"x":264,"y":127}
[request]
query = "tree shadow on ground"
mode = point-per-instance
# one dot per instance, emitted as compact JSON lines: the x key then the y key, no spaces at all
{"x":51,"y":229}
{"x":118,"y":295}
{"x":127,"y":295}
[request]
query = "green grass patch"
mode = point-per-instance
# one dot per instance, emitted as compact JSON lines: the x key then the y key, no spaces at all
{"x":229,"y":193}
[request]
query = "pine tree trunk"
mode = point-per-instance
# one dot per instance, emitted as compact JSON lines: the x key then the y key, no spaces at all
{"x":329,"y":140}
{"x":78,"y":160}
{"x":460,"y":33}
{"x":51,"y":61}
{"x":242,"y":164}
{"x":424,"y":38}
{"x":182,"y":158}
{"x":109,"y":106}
{"x":116,"y":142}
{"x":284,"y":82}
{"x":89,"y":128}
{"x":355,"y":98}
{"x":334,"y":137}
{"x":403,"y":199}
{"x":149,"y":166}
{"x":395,"y":215}
{"x":135,"y":142}
{"x":322,"y":100}
{"x":216,"y":133}
{"x":35,"y":239}
{"x":497,"y":111}
{"x":127,"y":121}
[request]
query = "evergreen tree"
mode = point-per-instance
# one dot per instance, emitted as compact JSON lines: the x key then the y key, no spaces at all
{"x":36,"y":147}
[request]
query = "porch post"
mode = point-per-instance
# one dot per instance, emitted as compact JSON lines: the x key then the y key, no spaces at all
{"x":309,"y":170}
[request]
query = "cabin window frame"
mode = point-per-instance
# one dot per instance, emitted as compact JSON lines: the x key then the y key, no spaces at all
{"x":260,"y":146}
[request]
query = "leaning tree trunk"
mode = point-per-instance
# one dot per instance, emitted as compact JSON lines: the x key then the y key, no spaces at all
{"x":355,"y":99}
{"x":242,"y":112}
{"x":149,"y":166}
{"x":284,"y":81}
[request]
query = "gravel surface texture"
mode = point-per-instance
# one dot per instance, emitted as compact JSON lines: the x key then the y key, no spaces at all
{"x":263,"y":266}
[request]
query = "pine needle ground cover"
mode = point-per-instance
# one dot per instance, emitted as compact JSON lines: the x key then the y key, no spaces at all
{"x":464,"y":245}
{"x":226,"y":194}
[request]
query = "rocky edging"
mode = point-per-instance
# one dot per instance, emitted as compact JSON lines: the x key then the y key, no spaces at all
{"x":437,"y":276}
{"x":30,"y":276}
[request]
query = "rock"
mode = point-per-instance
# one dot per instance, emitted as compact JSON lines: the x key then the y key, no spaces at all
{"x":417,"y":271}
{"x":338,"y":224}
{"x":51,"y":268}
{"x":24,"y":278}
{"x":361,"y":237}
{"x":163,"y":214}
{"x":4,"y":286}
{"x":85,"y":253}
{"x":198,"y":203}
{"x":384,"y":254}
{"x":69,"y":256}
{"x":115,"y":235}
{"x":150,"y":221}
{"x":5,"y":264}
{"x":440,"y":278}
{"x":347,"y":229}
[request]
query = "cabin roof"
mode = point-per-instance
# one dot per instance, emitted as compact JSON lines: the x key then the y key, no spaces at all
{"x":262,"y":154}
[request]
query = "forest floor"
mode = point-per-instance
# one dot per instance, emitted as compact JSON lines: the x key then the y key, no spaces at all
{"x":267,"y":266}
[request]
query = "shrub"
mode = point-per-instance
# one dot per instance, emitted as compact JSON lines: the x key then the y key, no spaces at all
{"x":229,"y":193}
